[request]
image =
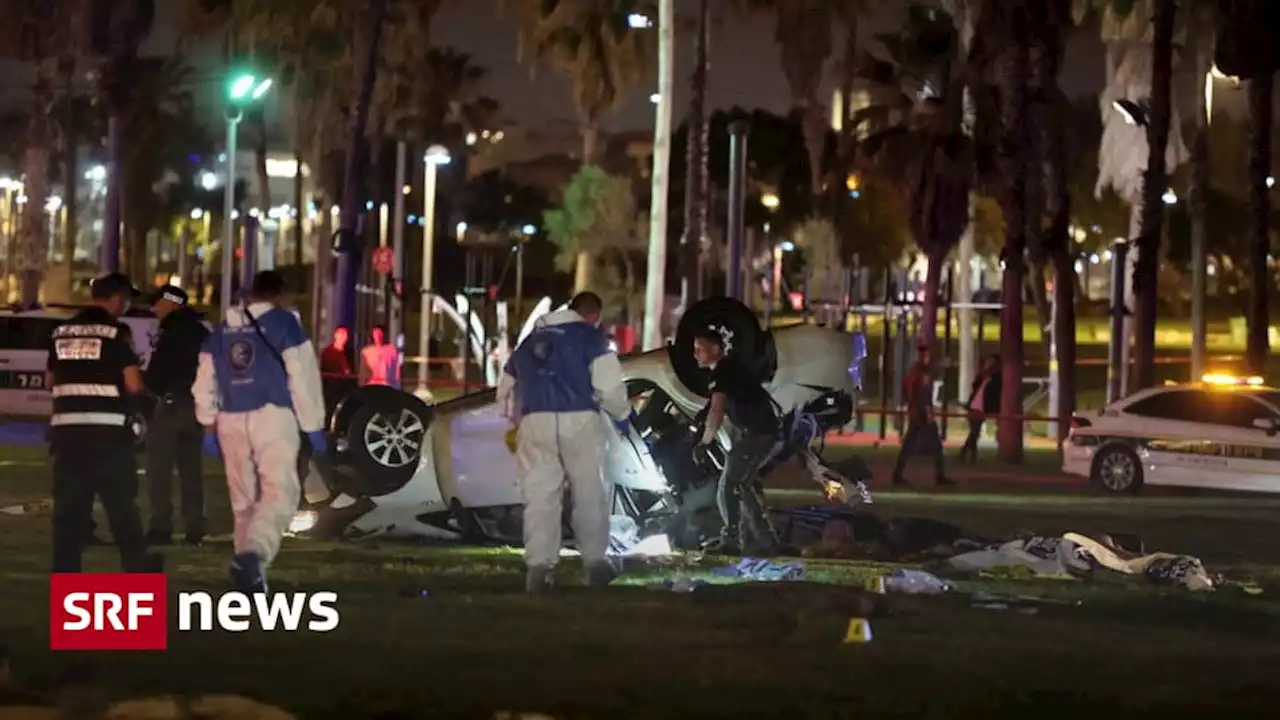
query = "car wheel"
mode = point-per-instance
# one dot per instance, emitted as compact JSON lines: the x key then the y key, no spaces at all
{"x":741,"y":330}
{"x":385,"y":441}
{"x":1118,"y":470}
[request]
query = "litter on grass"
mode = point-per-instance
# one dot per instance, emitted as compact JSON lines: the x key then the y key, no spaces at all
{"x":761,"y":570}
{"x":38,"y":507}
{"x":916,"y":582}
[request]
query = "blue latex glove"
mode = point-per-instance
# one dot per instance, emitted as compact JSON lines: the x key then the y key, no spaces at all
{"x":318,"y":444}
{"x":624,"y":426}
{"x":210,"y":445}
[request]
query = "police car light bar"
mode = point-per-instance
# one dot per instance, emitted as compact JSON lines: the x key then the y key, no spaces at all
{"x":1223,"y":379}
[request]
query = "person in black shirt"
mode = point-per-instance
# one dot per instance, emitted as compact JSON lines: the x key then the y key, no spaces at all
{"x":174,"y":436}
{"x":92,"y":368}
{"x":754,"y":427}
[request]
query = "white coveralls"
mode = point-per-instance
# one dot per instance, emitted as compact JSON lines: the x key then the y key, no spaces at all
{"x":260,"y":390}
{"x":559,"y":380}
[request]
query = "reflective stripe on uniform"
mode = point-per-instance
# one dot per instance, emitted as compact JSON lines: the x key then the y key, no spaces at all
{"x":85,"y":390}
{"x":88,"y":418}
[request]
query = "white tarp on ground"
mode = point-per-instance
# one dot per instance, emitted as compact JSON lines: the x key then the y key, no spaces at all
{"x":1074,"y":554}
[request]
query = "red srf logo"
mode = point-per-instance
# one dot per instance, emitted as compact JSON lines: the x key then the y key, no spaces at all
{"x":108,"y":611}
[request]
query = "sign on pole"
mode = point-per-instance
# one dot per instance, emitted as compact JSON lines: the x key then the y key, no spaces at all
{"x":383,"y":260}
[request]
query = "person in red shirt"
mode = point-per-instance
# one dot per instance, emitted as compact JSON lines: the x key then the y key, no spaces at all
{"x":922,"y":429}
{"x":333,"y":359}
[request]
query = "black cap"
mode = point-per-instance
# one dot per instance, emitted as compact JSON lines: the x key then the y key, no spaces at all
{"x":173,"y":294}
{"x":112,"y":284}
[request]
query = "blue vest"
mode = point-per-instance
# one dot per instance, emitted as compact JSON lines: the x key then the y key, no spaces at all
{"x":250,"y":375}
{"x":552,"y":368}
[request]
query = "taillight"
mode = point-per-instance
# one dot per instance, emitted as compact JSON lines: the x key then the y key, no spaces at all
{"x":1079,"y":422}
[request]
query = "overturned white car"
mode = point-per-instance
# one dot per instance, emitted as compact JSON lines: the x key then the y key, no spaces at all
{"x":402,"y":468}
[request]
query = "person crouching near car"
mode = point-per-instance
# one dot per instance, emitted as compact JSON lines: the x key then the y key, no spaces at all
{"x":257,"y":384}
{"x":755,"y":426}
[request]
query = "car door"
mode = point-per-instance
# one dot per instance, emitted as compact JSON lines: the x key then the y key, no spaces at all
{"x":1252,"y":454}
{"x":1164,"y":426}
{"x":1217,"y":447}
{"x":24,"y":353}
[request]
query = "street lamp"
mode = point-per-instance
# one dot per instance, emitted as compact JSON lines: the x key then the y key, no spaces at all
{"x":435,"y":156}
{"x":244,"y":89}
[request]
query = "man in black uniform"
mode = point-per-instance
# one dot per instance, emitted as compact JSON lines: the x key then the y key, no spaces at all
{"x":753,"y":432}
{"x":92,"y":369}
{"x":174,"y":436}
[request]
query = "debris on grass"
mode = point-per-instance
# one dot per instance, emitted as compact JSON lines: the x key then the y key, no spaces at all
{"x":37,"y":507}
{"x":761,"y":570}
{"x":916,"y":582}
{"x":679,"y":585}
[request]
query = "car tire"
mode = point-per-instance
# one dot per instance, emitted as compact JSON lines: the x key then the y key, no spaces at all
{"x":1117,"y":470}
{"x":750,"y":343}
{"x":385,"y":440}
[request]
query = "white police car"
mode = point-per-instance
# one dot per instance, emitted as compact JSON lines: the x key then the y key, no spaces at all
{"x":24,"y":354}
{"x":1222,"y":433}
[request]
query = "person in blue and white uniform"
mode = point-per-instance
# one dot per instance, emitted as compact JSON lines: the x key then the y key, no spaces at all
{"x":257,"y":385}
{"x":559,"y":380}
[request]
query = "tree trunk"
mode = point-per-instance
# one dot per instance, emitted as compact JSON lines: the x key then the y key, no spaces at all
{"x":1146,"y":269}
{"x":299,"y":216}
{"x":1064,"y":336}
{"x":1198,"y":206}
{"x":70,"y":166}
{"x":932,"y":288}
{"x":582,"y":272}
{"x":260,"y":169}
{"x":815,"y":136}
{"x":348,"y":270}
{"x":1013,"y":169}
{"x":590,"y":138}
{"x":696,"y":185}
{"x":33,"y":236}
{"x":846,"y":138}
{"x":1260,"y":97}
{"x":1040,"y":298}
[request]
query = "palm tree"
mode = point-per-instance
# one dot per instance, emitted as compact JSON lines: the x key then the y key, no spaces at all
{"x":35,"y":33}
{"x":592,"y":43}
{"x":120,"y":29}
{"x":1001,"y":56}
{"x":917,"y":139}
{"x":697,"y":179}
{"x":1260,"y":113}
{"x":1049,"y":112}
{"x":803,"y":32}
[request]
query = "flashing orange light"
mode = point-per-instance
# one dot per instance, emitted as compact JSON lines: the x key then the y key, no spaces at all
{"x":1231,"y":380}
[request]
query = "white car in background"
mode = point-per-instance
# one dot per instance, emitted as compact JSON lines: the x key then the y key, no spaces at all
{"x":1222,"y":433}
{"x":24,"y":354}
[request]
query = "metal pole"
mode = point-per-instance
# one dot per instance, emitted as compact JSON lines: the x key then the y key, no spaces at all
{"x":250,"y":260}
{"x":1115,"y":351}
{"x":397,"y":243}
{"x":739,"y":131}
{"x":520,"y":281}
{"x":184,"y":243}
{"x":228,"y":210}
{"x":428,"y":286}
{"x":655,"y":290}
{"x":469,"y":274}
{"x":946,"y":345}
{"x":1053,"y":366}
{"x":885,"y":350}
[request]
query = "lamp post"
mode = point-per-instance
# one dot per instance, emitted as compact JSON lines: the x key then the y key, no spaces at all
{"x":244,"y":89}
{"x":436,"y":156}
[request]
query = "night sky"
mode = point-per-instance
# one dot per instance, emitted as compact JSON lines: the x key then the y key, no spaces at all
{"x":744,"y":64}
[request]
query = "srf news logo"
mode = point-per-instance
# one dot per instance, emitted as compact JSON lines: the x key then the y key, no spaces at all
{"x":120,"y":611}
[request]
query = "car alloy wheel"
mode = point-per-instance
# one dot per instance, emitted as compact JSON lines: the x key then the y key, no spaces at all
{"x":394,"y":443}
{"x":1118,"y":470}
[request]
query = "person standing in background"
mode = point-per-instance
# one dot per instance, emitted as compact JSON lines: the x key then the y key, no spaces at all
{"x":333,"y":358}
{"x":174,"y":436}
{"x":93,"y":372}
{"x":984,"y":401}
{"x":922,"y":428}
{"x":379,"y":360}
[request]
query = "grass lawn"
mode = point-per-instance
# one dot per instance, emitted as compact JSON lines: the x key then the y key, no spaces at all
{"x":475,"y":645}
